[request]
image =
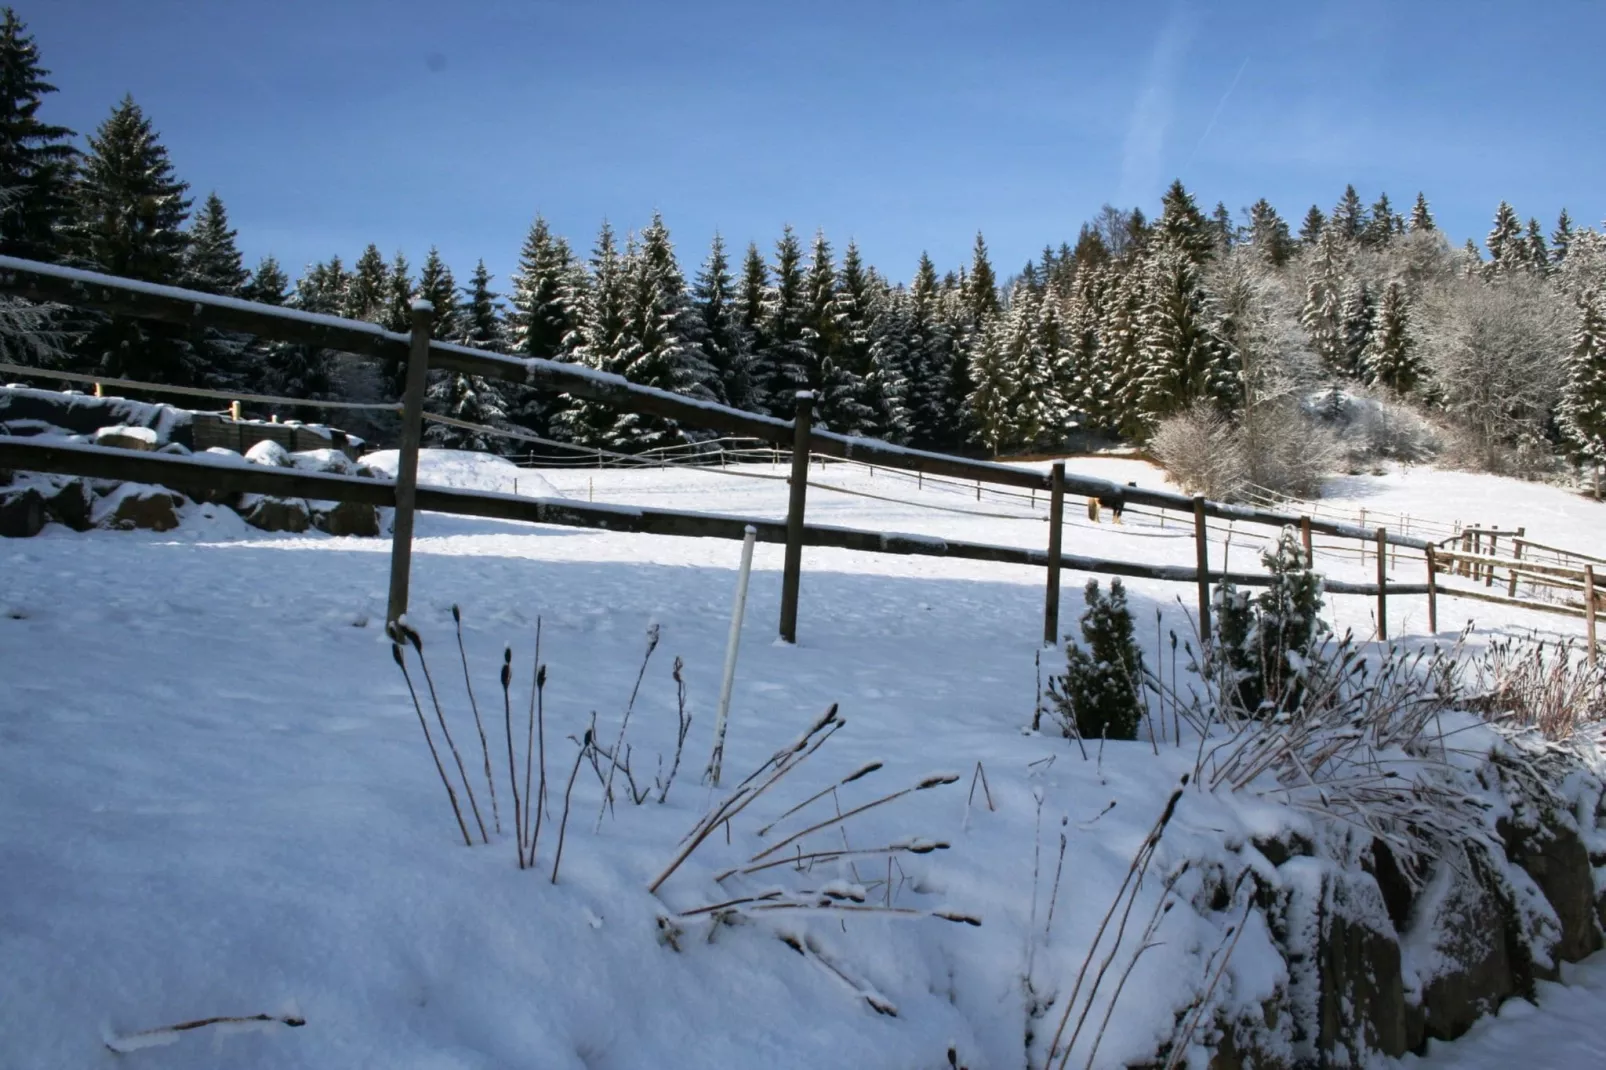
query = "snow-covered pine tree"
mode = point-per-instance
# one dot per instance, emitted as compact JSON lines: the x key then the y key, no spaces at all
{"x":1040,"y":370}
{"x":857,"y":296}
{"x":1184,"y":359}
{"x":887,"y":383}
{"x":1379,"y":228}
{"x":836,"y":388}
{"x":981,"y":290}
{"x":1310,"y":231}
{"x":288,"y":369}
{"x":1322,"y":313}
{"x":1561,"y":238}
{"x":472,"y":398}
{"x":658,"y":341}
{"x":1537,"y":252}
{"x":1349,"y":218}
{"x":1091,"y":252}
{"x":991,"y":403}
{"x":36,"y":158}
{"x":781,"y":365}
{"x":212,"y":265}
{"x":1268,"y":234}
{"x":1507,"y":253}
{"x":1471,"y":260}
{"x":720,"y":335}
{"x":1582,"y":412}
{"x":1222,"y":228}
{"x":1100,"y":695}
{"x":395,"y":314}
{"x":548,"y":309}
{"x":1421,"y":217}
{"x":128,"y":219}
{"x":1116,"y":394}
{"x":1084,"y":387}
{"x":370,"y":283}
{"x":933,"y":419}
{"x":1357,"y":313}
{"x":1390,"y":356}
{"x":436,"y":285}
{"x":600,"y":340}
{"x":748,"y":391}
{"x":1183,"y":226}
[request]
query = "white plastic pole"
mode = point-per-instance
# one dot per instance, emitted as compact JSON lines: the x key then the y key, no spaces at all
{"x":738,"y":608}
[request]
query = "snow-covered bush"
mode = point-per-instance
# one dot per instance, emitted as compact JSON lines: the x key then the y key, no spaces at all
{"x":1368,"y":426}
{"x":1203,"y":452}
{"x":1098,"y":696}
{"x":1264,"y":644}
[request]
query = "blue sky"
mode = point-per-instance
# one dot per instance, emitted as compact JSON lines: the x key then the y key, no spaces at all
{"x":906,"y":124}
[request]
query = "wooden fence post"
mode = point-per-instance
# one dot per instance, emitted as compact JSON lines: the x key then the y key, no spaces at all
{"x":401,"y":546}
{"x":1589,"y":609}
{"x":1363,"y":542}
{"x":1516,"y":555}
{"x":1488,"y":574}
{"x":1304,"y":537}
{"x":1202,"y":549}
{"x":792,"y":575}
{"x":1433,"y":592}
{"x":1382,"y":584}
{"x":1056,"y":522}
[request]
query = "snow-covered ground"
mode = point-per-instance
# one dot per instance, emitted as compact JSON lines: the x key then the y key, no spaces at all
{"x":217,"y":801}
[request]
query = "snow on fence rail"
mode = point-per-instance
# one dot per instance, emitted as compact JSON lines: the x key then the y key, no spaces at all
{"x":419,"y":353}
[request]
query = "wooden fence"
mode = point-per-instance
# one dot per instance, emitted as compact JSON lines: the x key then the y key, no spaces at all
{"x":420,"y":354}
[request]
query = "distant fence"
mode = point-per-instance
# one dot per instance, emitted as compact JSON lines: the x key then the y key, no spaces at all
{"x":419,"y":353}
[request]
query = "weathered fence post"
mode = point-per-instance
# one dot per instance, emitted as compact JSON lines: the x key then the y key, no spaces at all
{"x":1202,"y":549}
{"x":1516,"y":555}
{"x":1433,"y":592}
{"x":1589,"y":609}
{"x":1363,"y":542}
{"x":1488,"y":570}
{"x":792,"y":573}
{"x":401,"y":547}
{"x":1382,"y":584}
{"x":1056,"y":522}
{"x":1304,"y":538}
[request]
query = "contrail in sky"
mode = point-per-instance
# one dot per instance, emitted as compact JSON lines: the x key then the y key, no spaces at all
{"x":1211,"y":125}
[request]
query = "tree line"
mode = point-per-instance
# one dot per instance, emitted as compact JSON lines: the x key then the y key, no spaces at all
{"x":1108,"y":336}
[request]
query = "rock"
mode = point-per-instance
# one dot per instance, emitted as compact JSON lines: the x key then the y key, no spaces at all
{"x":270,"y":453}
{"x":138,"y":506}
{"x":22,"y":513}
{"x":325,"y":461}
{"x":126,"y":438}
{"x":1362,"y":994}
{"x":1463,"y":926}
{"x":176,"y":449}
{"x":70,"y":502}
{"x":1556,"y":859}
{"x":275,"y":514}
{"x":346,"y":518}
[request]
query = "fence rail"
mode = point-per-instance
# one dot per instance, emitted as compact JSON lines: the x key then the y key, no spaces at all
{"x":418,"y":353}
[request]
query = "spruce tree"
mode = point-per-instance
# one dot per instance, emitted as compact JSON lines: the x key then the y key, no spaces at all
{"x":1100,"y":695}
{"x":820,"y":330}
{"x":1268,"y":234}
{"x":396,"y":315}
{"x":36,"y":158}
{"x":1379,"y":229}
{"x":471,"y":398}
{"x":479,"y":316}
{"x":658,"y":341}
{"x":128,"y":220}
{"x":1222,"y":228}
{"x":1322,"y":313}
{"x":1421,"y":218}
{"x":1507,"y":253}
{"x":1085,"y":382}
{"x":1357,"y":312}
{"x":750,"y":290}
{"x":934,"y":421}
{"x":287,"y":368}
{"x":981,"y":296}
{"x":548,"y":301}
{"x":1561,"y":238}
{"x":1091,"y":252}
{"x":436,"y":285}
{"x":855,"y":311}
{"x":781,"y":365}
{"x":268,"y":284}
{"x":721,"y":336}
{"x":1041,"y":372}
{"x":212,"y":265}
{"x":1310,"y":231}
{"x":886,"y":384}
{"x":370,"y":280}
{"x":1349,"y":219}
{"x":1583,"y":406}
{"x":601,"y":339}
{"x":1390,"y":355}
{"x":1115,"y":394}
{"x":1184,"y":359}
{"x":1183,"y":226}
{"x":1534,"y":246}
{"x":990,"y":403}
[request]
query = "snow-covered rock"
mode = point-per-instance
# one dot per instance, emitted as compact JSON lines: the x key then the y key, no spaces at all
{"x":127,"y":438}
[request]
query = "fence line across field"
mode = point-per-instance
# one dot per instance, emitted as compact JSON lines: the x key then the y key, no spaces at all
{"x":49,"y":283}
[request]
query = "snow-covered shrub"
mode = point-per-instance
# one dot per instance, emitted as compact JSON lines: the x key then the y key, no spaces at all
{"x":1368,"y":426}
{"x":1098,"y":696}
{"x":1264,"y":644}
{"x":1537,"y":684}
{"x":1203,"y":452}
